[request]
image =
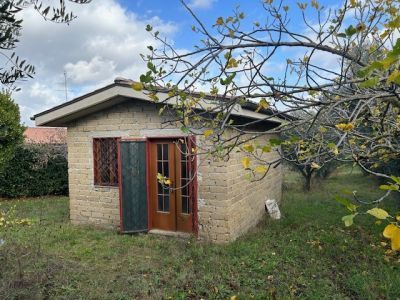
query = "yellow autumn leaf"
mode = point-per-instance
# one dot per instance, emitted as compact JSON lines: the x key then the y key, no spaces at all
{"x":315,"y":166}
{"x":266,"y":149}
{"x":392,"y":232}
{"x":389,"y":231}
{"x":248,"y":147}
{"x":167,"y":182}
{"x":345,"y":126}
{"x":246,"y":162}
{"x":232,"y":63}
{"x":261,"y":169}
{"x":315,"y":4}
{"x":385,"y":34}
{"x":219,"y":21}
{"x":234,"y":297}
{"x":263,"y":104}
{"x":378,"y":213}
{"x":137,"y":86}
{"x":208,"y":132}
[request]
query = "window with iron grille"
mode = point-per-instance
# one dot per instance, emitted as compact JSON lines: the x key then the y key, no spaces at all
{"x":105,"y":155}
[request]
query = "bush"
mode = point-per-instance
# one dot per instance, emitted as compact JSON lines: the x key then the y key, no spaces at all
{"x":35,"y":171}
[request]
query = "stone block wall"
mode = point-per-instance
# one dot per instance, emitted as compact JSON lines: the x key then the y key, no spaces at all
{"x":229,"y":203}
{"x":247,"y":197}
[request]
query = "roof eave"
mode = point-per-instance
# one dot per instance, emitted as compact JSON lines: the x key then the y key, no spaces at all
{"x":61,"y":114}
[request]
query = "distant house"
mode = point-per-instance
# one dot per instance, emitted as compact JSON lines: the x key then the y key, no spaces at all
{"x":118,"y":143}
{"x":45,"y":135}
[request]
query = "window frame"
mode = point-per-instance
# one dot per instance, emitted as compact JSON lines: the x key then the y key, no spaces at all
{"x":96,"y":177}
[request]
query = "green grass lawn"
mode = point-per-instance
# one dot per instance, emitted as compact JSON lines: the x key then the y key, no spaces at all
{"x":306,"y":254}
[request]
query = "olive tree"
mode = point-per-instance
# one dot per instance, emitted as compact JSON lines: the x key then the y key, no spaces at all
{"x":14,"y":68}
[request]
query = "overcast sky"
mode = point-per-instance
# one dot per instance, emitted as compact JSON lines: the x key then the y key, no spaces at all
{"x":105,"y":42}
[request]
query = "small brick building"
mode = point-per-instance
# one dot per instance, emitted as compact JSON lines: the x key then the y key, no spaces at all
{"x":118,"y":143}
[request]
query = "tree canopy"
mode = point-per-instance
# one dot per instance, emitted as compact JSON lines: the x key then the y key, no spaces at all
{"x":231,"y":65}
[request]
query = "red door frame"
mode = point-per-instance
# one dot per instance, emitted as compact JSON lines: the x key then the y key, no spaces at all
{"x":193,"y":185}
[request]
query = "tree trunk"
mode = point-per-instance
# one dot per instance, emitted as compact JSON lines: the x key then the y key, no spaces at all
{"x":308,"y":172}
{"x":307,"y":185}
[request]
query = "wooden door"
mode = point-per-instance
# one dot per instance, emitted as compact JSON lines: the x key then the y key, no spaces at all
{"x":170,"y":203}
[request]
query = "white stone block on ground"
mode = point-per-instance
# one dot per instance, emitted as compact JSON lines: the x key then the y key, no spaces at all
{"x":273,"y":209}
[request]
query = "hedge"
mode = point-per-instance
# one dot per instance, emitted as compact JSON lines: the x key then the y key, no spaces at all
{"x":35,"y":170}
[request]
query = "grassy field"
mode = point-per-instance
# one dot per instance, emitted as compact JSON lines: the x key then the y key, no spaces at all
{"x":306,"y":254}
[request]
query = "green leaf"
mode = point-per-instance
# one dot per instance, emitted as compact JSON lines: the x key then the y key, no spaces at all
{"x":331,"y":145}
{"x":346,"y":203}
{"x":342,"y":35}
{"x":391,"y":187}
{"x":396,"y":48}
{"x":348,"y":220}
{"x":151,"y":67}
{"x":145,"y":78}
{"x":376,"y":65}
{"x":248,"y":176}
{"x":351,"y":30}
{"x":387,"y":62}
{"x":228,"y":79}
{"x":184,"y":129}
{"x":275,"y":142}
{"x":395,"y":23}
{"x":378,"y":213}
{"x":369,"y":83}
{"x":395,"y":179}
{"x":394,"y":77}
{"x":266,"y":149}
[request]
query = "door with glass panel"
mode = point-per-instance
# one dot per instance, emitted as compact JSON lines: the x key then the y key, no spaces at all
{"x":170,"y":183}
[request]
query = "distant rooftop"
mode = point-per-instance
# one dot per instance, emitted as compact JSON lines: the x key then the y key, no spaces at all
{"x":45,"y":135}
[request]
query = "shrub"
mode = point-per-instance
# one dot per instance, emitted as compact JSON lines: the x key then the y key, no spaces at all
{"x":35,"y":171}
{"x":11,"y":131}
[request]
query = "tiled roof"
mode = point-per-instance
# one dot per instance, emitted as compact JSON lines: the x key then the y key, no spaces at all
{"x":45,"y":135}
